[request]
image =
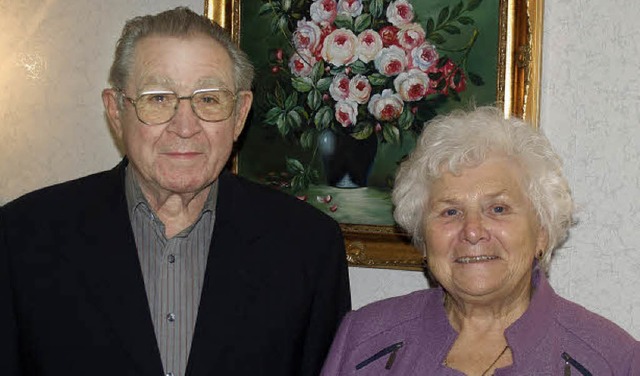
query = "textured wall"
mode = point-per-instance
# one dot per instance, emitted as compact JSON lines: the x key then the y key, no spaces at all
{"x":54,"y":57}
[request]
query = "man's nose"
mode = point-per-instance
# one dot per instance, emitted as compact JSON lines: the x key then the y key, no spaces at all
{"x":185,"y":122}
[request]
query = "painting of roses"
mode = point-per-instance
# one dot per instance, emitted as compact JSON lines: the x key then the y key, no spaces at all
{"x":344,"y":87}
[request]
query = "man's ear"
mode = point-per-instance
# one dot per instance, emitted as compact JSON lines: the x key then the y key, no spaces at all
{"x":245,"y":98}
{"x":110,"y":100}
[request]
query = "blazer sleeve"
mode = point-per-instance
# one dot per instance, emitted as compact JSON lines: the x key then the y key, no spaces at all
{"x":333,"y":366}
{"x":9,"y":355}
{"x":331,"y":301}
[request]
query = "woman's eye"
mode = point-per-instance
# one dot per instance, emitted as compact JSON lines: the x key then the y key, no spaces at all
{"x":499,"y":209}
{"x":450,"y":212}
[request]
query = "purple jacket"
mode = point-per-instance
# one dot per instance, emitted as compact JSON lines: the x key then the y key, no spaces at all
{"x":411,"y":335}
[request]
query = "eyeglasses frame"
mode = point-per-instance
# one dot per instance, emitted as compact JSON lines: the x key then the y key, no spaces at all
{"x":179,"y":98}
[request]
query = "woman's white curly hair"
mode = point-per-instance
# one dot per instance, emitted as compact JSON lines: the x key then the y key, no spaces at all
{"x":466,"y":138}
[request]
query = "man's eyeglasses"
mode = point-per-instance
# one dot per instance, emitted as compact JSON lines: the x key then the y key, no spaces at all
{"x":158,"y":107}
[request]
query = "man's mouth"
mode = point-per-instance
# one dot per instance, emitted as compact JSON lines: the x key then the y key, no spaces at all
{"x":472,"y":259}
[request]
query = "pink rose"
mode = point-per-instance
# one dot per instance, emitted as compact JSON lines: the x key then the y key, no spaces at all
{"x":301,"y":64}
{"x":400,"y":12}
{"x":307,"y":36}
{"x":339,"y":88}
{"x":369,"y":44}
{"x":449,"y":71}
{"x":340,"y":47}
{"x":423,"y":56}
{"x":324,"y":11}
{"x":411,"y":36}
{"x":346,"y":112}
{"x":351,"y":8}
{"x":359,"y":89}
{"x":412,"y":85}
{"x":386,"y":106}
{"x":391,"y":61}
{"x":389,"y":35}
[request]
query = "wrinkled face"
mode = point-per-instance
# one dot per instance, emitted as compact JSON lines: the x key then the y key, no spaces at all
{"x":481,"y":232}
{"x":185,"y":154}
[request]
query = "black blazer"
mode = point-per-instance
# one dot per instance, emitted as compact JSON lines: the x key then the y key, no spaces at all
{"x":72,"y":297}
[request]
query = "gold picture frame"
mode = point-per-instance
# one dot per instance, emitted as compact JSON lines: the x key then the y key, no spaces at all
{"x":518,"y":88}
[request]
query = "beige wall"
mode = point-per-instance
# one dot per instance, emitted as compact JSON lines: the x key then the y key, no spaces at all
{"x":54,"y":57}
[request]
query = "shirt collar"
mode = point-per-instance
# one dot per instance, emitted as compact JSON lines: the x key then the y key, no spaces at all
{"x":135,"y":197}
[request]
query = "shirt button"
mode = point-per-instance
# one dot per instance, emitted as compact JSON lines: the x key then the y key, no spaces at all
{"x":171,"y":259}
{"x":169,"y":374}
{"x":171,"y":317}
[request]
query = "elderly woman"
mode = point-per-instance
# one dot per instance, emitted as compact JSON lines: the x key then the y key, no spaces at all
{"x":485,"y":199}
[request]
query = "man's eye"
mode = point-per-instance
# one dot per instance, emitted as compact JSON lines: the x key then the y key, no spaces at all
{"x":158,"y":98}
{"x":210,"y":99}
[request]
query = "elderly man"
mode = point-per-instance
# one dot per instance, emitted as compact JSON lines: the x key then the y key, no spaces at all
{"x":166,"y":264}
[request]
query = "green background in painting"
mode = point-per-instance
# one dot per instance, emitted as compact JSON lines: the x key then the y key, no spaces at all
{"x":263,"y":150}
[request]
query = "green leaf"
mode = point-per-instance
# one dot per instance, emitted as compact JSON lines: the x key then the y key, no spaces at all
{"x":364,"y":133}
{"x":291,"y":101}
{"x":457,"y":77}
{"x":267,"y":8}
{"x":444,"y":14}
{"x":302,"y":84}
{"x":294,"y":166}
{"x":442,"y":61}
{"x":272,"y":115}
{"x":376,"y":7}
{"x":451,"y":29}
{"x":454,"y":94}
{"x":337,"y":70}
{"x":441,"y":85}
{"x":307,"y":138}
{"x":318,"y":71}
{"x":377,"y":79}
{"x":456,"y":10}
{"x":475,"y":79}
{"x":314,"y":100}
{"x":294,"y":120}
{"x":323,"y":117}
{"x":390,"y":133}
{"x":430,"y":26}
{"x":281,"y":123}
{"x":362,"y":22}
{"x":466,"y":20}
{"x":324,"y":83}
{"x":473,"y":4}
{"x":344,"y":21}
{"x":406,"y":119}
{"x":358,"y":67}
{"x":283,"y":22}
{"x":437,"y":38}
{"x":435,"y":76}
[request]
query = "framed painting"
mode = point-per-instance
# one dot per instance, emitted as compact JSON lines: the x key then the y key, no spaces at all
{"x":343,"y":87}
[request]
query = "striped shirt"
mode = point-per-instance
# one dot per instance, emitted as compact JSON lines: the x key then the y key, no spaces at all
{"x":173,"y":271}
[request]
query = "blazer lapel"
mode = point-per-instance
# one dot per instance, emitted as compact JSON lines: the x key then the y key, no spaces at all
{"x":227,"y":287}
{"x":107,"y":256}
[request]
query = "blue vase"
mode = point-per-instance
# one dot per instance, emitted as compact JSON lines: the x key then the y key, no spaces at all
{"x":347,"y":161}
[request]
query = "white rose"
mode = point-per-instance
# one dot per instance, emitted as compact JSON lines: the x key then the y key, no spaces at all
{"x":423,"y":56}
{"x":346,"y":112}
{"x":369,"y":44}
{"x":307,"y":36}
{"x":400,"y":12}
{"x":391,"y":61}
{"x":386,"y":106}
{"x":351,"y":8}
{"x":301,"y":64}
{"x":323,"y":11}
{"x":339,"y":47}
{"x":339,"y":88}
{"x":411,"y":36}
{"x":412,"y":85}
{"x":359,"y":89}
